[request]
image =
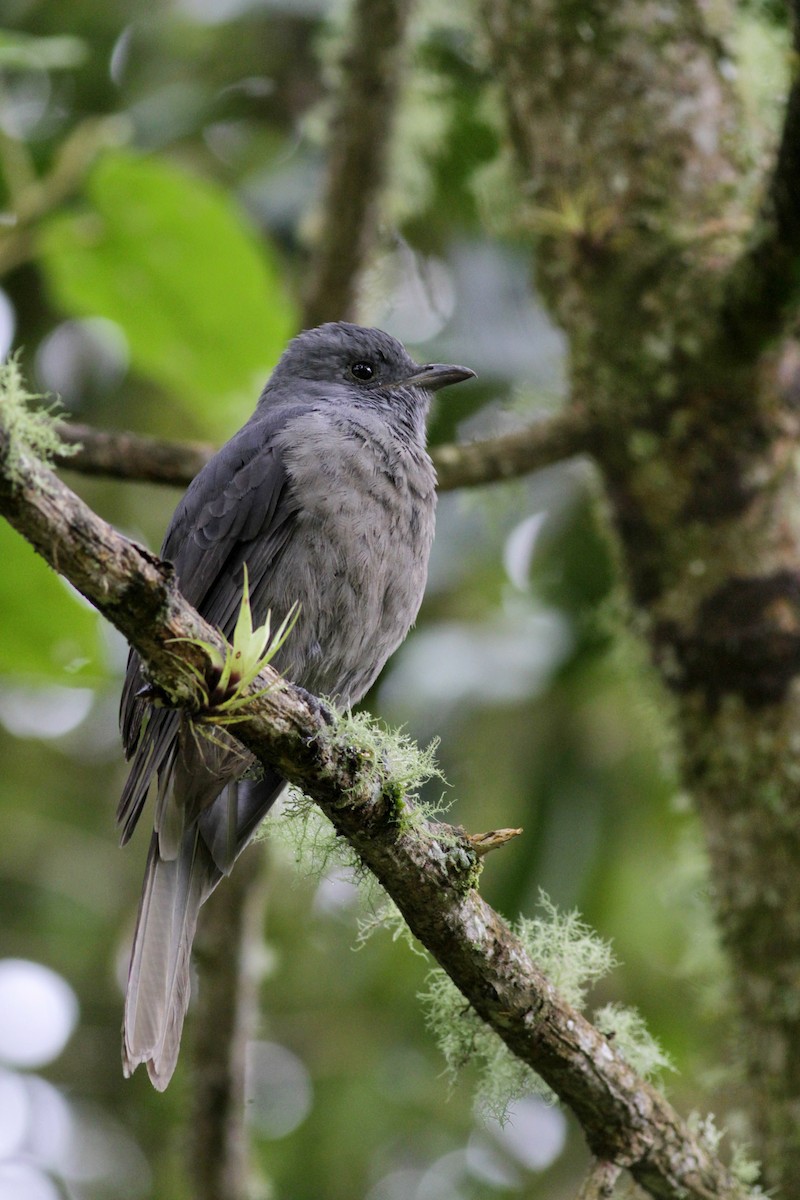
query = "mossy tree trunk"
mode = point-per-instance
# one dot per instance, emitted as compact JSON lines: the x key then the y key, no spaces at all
{"x":674,"y":295}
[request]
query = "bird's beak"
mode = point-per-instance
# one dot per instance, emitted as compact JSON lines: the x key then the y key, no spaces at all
{"x":439,"y":375}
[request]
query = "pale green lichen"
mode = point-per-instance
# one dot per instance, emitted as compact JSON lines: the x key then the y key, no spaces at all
{"x":29,"y":426}
{"x":384,"y":915}
{"x":632,"y":1039}
{"x":571,"y":955}
{"x":464,"y":1039}
{"x":402,"y":767}
{"x":573,"y":958}
{"x":300,"y":828}
{"x":305,"y":833}
{"x":744,"y":1169}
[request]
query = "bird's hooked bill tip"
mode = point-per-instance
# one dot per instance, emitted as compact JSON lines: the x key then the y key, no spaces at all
{"x":438,"y":375}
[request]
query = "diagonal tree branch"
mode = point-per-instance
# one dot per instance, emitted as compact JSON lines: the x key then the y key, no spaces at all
{"x":132,"y":456}
{"x":429,"y":873}
{"x":34,"y":197}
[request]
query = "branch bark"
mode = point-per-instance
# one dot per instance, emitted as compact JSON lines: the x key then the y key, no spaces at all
{"x":428,"y":875}
{"x":130,"y":456}
{"x":470,"y":464}
{"x":600,"y":1182}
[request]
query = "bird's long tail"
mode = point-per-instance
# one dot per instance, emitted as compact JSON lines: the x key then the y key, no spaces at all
{"x":174,"y":890}
{"x":158,"y":981}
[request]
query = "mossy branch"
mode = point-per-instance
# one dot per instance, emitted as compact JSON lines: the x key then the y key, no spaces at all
{"x":427,"y":872}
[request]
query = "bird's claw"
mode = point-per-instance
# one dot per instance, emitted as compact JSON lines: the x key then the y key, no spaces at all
{"x":318,"y":707}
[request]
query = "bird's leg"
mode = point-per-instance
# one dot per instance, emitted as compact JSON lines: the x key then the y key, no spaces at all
{"x":151,"y":694}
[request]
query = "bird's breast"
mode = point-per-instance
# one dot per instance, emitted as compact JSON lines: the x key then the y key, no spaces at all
{"x":358,"y":558}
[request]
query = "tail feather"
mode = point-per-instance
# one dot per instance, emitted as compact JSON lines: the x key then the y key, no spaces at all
{"x":159,"y":981}
{"x":155,"y":755}
{"x":174,"y":890}
{"x":229,"y":823}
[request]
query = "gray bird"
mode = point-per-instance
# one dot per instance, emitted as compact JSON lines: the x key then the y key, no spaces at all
{"x":327,"y":494}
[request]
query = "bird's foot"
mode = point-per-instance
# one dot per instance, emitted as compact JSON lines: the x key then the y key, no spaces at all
{"x":318,"y":707}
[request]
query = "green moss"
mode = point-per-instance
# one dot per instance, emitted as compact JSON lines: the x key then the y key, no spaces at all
{"x":402,"y":768}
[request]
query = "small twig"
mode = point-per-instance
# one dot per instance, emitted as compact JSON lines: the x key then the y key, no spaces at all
{"x":482,"y":843}
{"x":33,"y":198}
{"x":154,"y":460}
{"x":17,"y":167}
{"x":358,"y":156}
{"x":600,"y":1182}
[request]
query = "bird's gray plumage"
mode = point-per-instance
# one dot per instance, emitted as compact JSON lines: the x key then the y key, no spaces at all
{"x":328,"y":495}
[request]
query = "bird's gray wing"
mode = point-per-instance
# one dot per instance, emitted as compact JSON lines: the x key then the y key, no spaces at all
{"x":238,"y":509}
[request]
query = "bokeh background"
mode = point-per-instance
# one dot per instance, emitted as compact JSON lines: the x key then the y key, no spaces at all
{"x":156,"y":290}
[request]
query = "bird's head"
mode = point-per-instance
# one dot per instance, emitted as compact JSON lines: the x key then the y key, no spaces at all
{"x":368,"y":362}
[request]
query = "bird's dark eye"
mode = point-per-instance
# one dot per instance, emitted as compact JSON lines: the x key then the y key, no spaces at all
{"x":362,"y":371}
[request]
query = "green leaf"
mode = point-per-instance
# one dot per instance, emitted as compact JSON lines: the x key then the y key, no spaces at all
{"x":47,"y":631}
{"x":172,"y":259}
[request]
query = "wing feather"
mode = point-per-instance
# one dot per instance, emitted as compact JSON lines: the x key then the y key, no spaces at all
{"x":239,"y":508}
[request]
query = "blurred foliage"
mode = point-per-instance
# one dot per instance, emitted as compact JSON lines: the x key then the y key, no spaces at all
{"x":169,"y":258}
{"x":155,"y":292}
{"x":55,"y":636}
